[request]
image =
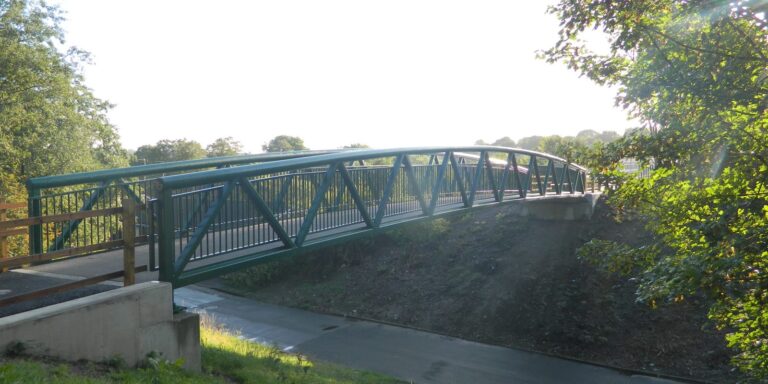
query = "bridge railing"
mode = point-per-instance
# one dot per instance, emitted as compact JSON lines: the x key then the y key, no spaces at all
{"x":104,"y":189}
{"x":217,"y":221}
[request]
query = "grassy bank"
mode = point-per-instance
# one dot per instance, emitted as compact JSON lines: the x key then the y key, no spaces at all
{"x":226,"y":359}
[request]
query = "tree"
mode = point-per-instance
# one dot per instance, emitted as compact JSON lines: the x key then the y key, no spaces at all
{"x":694,"y":72}
{"x":550,"y":144}
{"x":50,"y":122}
{"x":588,"y":136}
{"x":505,"y":142}
{"x":284,"y":143}
{"x":606,"y":137}
{"x":226,"y":146}
{"x":531,"y":142}
{"x":169,"y":150}
{"x":356,"y":146}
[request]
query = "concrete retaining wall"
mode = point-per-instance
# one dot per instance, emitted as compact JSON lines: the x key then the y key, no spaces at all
{"x":564,"y":207}
{"x":127,"y":323}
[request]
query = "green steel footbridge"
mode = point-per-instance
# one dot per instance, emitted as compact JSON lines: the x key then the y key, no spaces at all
{"x":207,"y":217}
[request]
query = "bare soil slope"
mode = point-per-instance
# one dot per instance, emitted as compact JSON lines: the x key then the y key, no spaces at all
{"x":500,"y":279}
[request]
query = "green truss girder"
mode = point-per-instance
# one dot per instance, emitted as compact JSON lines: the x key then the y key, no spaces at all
{"x":453,"y":174}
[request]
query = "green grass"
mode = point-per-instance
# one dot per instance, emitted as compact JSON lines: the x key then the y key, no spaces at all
{"x":226,"y":359}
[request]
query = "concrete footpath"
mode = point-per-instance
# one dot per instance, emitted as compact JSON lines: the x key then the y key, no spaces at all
{"x":411,"y":355}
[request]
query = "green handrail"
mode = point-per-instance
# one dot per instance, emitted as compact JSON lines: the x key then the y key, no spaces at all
{"x":219,"y":175}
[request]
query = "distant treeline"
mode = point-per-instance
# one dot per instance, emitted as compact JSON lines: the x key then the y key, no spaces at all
{"x":573,"y":148}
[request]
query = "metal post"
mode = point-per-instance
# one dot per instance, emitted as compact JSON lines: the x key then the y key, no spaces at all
{"x":165,"y":233}
{"x":36,"y":230}
{"x":129,"y":241}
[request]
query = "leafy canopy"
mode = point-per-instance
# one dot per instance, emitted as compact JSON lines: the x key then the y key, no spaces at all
{"x":224,"y":146}
{"x":284,"y":143}
{"x":168,"y":150}
{"x":50,"y":122}
{"x":695,"y":73}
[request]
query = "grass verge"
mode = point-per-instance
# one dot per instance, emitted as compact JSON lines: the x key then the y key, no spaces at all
{"x":226,"y":359}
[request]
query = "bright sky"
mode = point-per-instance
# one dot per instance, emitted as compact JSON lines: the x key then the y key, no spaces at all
{"x":385,"y":73}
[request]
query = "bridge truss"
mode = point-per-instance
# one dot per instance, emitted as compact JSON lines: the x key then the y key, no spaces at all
{"x":214,"y":222}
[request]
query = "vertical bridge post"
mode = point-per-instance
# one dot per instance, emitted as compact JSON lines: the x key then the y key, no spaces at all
{"x":129,"y":241}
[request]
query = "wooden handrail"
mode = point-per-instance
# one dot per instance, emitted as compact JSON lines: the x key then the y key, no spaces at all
{"x":20,"y":227}
{"x":66,"y":287}
{"x":14,"y":232}
{"x":58,"y":218}
{"x":4,"y":206}
{"x":21,"y":260}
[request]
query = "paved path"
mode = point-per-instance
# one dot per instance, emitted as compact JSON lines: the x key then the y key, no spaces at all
{"x":415,"y":356}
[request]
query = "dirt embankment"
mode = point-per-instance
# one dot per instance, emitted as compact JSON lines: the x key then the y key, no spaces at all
{"x":497,"y":278}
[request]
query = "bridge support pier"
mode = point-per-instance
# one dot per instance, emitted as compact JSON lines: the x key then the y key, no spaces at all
{"x":563,"y":207}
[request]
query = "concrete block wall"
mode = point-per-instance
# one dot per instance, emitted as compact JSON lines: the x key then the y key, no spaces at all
{"x":565,"y":207}
{"x":128,"y":323}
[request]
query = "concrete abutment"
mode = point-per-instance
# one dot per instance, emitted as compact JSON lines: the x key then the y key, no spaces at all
{"x":127,"y":323}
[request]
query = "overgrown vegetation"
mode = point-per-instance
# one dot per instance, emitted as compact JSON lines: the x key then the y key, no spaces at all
{"x":694,"y":72}
{"x":226,"y":359}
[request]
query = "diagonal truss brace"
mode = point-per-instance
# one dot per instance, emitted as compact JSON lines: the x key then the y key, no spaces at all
{"x":533,"y":165}
{"x":266,"y":213}
{"x":491,"y":177}
{"x":521,"y":189}
{"x":317,"y":201}
{"x":438,"y":183}
{"x":355,"y":195}
{"x":476,"y":179}
{"x":504,"y":178}
{"x":202,"y":229}
{"x":412,"y":181}
{"x":459,"y":180}
{"x":388,"y":191}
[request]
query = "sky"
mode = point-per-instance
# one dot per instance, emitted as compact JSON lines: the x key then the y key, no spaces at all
{"x":334,"y":72}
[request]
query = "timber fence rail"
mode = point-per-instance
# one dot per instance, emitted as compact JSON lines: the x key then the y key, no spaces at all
{"x":20,"y":227}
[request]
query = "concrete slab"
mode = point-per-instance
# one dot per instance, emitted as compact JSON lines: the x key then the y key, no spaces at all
{"x":411,"y":355}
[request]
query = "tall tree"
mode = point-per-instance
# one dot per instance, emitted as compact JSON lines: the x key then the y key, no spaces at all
{"x":284,"y":143}
{"x":224,"y":146}
{"x":50,"y":122}
{"x":169,"y":150}
{"x":505,"y":142}
{"x":695,"y":73}
{"x":530,"y":142}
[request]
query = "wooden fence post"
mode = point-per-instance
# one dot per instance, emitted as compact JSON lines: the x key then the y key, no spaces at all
{"x":4,"y":252}
{"x":129,"y":239}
